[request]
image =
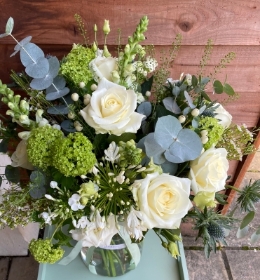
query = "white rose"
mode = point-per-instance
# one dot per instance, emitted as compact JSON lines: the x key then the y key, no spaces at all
{"x":20,"y":157}
{"x":208,"y":173}
{"x":112,"y":109}
{"x":162,"y":199}
{"x":223,"y":116}
{"x":102,"y":67}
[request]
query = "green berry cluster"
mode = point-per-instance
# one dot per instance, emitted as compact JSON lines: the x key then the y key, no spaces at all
{"x":73,"y":155}
{"x":75,"y":66}
{"x":39,"y":146}
{"x":215,"y":130}
{"x":44,"y":251}
{"x":129,"y":153}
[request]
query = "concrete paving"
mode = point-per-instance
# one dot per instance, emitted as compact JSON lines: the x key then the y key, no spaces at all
{"x":238,"y":261}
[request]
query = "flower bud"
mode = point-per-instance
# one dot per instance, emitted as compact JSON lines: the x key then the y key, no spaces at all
{"x":94,"y":47}
{"x":204,"y":139}
{"x":195,"y":112}
{"x":93,"y":88}
{"x":127,"y":49}
{"x":115,"y":76}
{"x":75,"y":96}
{"x":204,"y":132}
{"x":17,"y":98}
{"x":11,"y":105}
{"x":10,"y":113}
{"x":24,"y":105}
{"x":71,"y":115}
{"x":81,"y":84}
{"x":106,"y":27}
{"x":95,"y":28}
{"x":106,"y":53}
{"x":173,"y":249}
{"x":182,"y":119}
{"x":148,"y":93}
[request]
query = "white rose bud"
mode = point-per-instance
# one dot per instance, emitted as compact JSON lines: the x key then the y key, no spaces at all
{"x":195,"y":112}
{"x":82,"y":84}
{"x":75,"y":96}
{"x":182,"y":119}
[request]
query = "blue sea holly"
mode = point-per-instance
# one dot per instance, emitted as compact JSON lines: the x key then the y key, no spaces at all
{"x":172,"y":142}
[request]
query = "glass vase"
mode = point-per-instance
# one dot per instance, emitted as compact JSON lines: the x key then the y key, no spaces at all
{"x":114,"y":260}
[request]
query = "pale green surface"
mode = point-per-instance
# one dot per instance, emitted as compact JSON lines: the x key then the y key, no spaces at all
{"x":156,"y":264}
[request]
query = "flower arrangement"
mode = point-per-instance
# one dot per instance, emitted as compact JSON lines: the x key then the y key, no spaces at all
{"x":112,"y":143}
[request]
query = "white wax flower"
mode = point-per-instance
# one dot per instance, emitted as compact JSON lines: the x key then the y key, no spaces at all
{"x":163,"y":200}
{"x":112,"y":110}
{"x":209,"y":171}
{"x":112,"y":152}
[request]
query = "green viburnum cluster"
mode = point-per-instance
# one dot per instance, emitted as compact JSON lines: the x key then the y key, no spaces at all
{"x":129,"y":153}
{"x":75,"y":65}
{"x":39,"y":145}
{"x":215,"y":130}
{"x":238,"y":141}
{"x":73,"y":155}
{"x":44,"y":251}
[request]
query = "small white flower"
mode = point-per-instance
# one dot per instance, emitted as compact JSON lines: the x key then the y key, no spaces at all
{"x":46,"y":217}
{"x":120,"y":177}
{"x":49,"y":197}
{"x":74,"y":202}
{"x":54,"y":185}
{"x":111,"y":153}
{"x":82,"y":222}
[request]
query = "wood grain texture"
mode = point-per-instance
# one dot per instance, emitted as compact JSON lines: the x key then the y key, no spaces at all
{"x":226,"y":22}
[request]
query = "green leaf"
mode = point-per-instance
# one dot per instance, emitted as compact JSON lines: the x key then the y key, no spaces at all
{"x":194,"y":81}
{"x":221,"y":198}
{"x":123,"y":137}
{"x":9,"y":26}
{"x":218,"y":87}
{"x":63,"y":239}
{"x":12,"y":174}
{"x":228,"y":89}
{"x":247,"y":219}
{"x":205,"y":96}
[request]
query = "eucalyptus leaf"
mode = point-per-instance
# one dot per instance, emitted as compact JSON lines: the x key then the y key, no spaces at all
{"x":12,"y":174}
{"x":247,"y":219}
{"x":21,"y":44}
{"x":3,"y":35}
{"x":186,"y":147}
{"x":218,"y":87}
{"x":242,"y":232}
{"x":37,"y":178}
{"x":57,"y":94}
{"x":166,"y":131}
{"x":145,"y":108}
{"x":54,"y":66}
{"x":194,"y":81}
{"x":41,"y":83}
{"x":189,"y":100}
{"x":204,"y":80}
{"x":176,"y":91}
{"x":195,"y":123}
{"x":38,"y":69}
{"x":153,"y":149}
{"x":36,"y":191}
{"x":169,"y":167}
{"x":30,"y":53}
{"x":68,"y":126}
{"x":58,"y":83}
{"x":228,"y":89}
{"x":58,"y":110}
{"x":171,"y":105}
{"x":4,"y":146}
{"x":186,"y":111}
{"x":9,"y":26}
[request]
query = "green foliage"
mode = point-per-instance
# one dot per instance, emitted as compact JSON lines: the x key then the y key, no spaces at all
{"x":44,"y":251}
{"x":12,"y":174}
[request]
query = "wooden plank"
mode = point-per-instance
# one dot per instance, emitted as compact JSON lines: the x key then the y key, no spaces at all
{"x":226,"y":22}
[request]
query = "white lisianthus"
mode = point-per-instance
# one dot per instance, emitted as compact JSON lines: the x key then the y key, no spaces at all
{"x":98,"y":232}
{"x":112,"y":110}
{"x":20,"y":157}
{"x":223,"y":116}
{"x":102,"y":67}
{"x":163,"y":200}
{"x":208,"y":172}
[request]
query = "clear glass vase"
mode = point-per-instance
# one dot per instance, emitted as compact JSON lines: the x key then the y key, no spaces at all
{"x":114,"y":260}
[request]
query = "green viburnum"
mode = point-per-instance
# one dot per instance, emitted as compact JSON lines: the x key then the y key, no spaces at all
{"x":87,"y":191}
{"x":39,"y":145}
{"x":73,"y":155}
{"x":75,"y":66}
{"x":129,"y":153}
{"x":44,"y":251}
{"x":215,"y":130}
